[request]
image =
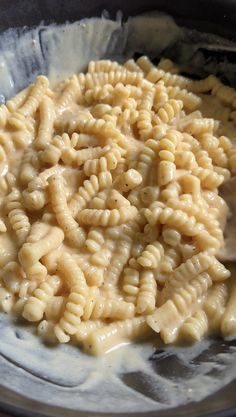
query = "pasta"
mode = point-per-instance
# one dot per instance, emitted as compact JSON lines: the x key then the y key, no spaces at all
{"x":111,"y":221}
{"x":37,"y":303}
{"x":89,"y":189}
{"x":146,"y":299}
{"x":17,"y":217}
{"x":73,"y":232}
{"x":195,"y":327}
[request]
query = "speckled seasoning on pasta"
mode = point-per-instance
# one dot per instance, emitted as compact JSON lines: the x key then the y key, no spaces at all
{"x":110,"y":218}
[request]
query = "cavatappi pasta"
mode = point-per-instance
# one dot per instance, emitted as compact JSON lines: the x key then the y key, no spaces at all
{"x":110,"y":217}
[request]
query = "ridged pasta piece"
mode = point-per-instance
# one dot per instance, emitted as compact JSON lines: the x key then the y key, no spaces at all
{"x":104,"y":65}
{"x":131,"y":66}
{"x":97,"y":307}
{"x":72,"y":273}
{"x":71,"y":317}
{"x":188,"y":250}
{"x":89,"y":189}
{"x":171,"y":190}
{"x":35,"y":95}
{"x":4,"y":114}
{"x":35,"y":200}
{"x":146,"y":298}
{"x":99,"y":94}
{"x":168,"y":318}
{"x":166,"y":172}
{"x":169,"y":110}
{"x":107,"y":217}
{"x":151,"y":256}
{"x":113,"y":78}
{"x":201,"y":215}
{"x":225,"y":143}
{"x":102,"y":258}
{"x":6,"y":145}
{"x":203,"y":159}
{"x":195,"y":327}
{"x":71,"y":156}
{"x":36,"y":304}
{"x":146,"y":157}
{"x":94,"y":275}
{"x":155,"y":75}
{"x":74,"y":233}
{"x":107,"y":162}
{"x":17,"y":216}
{"x":224,"y":172}
{"x":84,"y":329}
{"x":102,"y":340}
{"x":217,"y":271}
{"x":179,"y":219}
{"x":228,"y":322}
{"x":99,"y":201}
{"x":186,"y":271}
{"x":83,"y":140}
{"x":214,"y":305}
{"x":144,"y":63}
{"x":191,"y":101}
{"x":19,"y":122}
{"x":168,"y":65}
{"x":185,"y":160}
{"x":191,"y":184}
{"x":115,"y":200}
{"x":144,"y":122}
{"x":199,"y":126}
{"x":209,"y":179}
{"x":18,"y":306}
{"x":149,"y":194}
{"x":14,"y":281}
{"x":161,"y":96}
{"x":100,"y":110}
{"x":37,"y":231}
{"x":212,"y":145}
{"x":50,"y":260}
{"x":130,"y":286}
{"x":29,"y":166}
{"x":171,"y":236}
{"x":118,"y":261}
{"x":205,"y":241}
{"x":95,"y":240}
{"x":171,"y":260}
{"x":18,"y":100}
{"x":41,"y":181}
{"x":31,"y":252}
{"x":129,"y":180}
{"x":46,"y":120}
{"x":96,"y":127}
{"x":70,"y":94}
{"x":152,"y":213}
{"x":167,"y":145}
{"x":53,"y":151}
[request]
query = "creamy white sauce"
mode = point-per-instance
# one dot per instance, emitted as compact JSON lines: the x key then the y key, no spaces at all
{"x":63,"y":375}
{"x":73,"y":379}
{"x":62,"y":50}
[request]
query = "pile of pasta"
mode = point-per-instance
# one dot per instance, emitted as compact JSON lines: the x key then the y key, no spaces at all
{"x":111,"y":222}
